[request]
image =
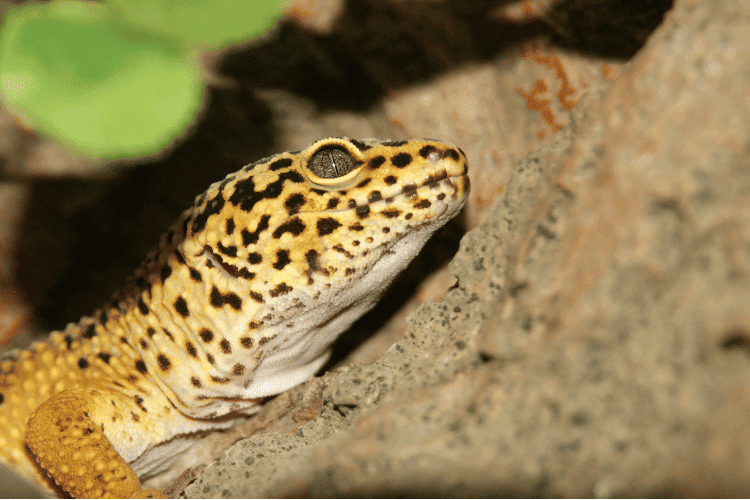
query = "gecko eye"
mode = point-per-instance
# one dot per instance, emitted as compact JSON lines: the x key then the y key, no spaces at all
{"x":332,"y":162}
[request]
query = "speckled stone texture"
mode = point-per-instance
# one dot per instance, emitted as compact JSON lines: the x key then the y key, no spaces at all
{"x":596,"y":341}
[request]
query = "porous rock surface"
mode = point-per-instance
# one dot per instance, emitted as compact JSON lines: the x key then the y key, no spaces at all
{"x":597,"y":339}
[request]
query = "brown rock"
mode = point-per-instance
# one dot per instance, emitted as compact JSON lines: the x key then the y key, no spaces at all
{"x":597,"y":340}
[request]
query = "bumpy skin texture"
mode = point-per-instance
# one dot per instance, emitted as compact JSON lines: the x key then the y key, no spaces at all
{"x":240,"y":301}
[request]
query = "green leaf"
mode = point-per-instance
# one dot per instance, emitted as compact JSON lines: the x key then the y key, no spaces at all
{"x":71,"y":71}
{"x":204,"y":23}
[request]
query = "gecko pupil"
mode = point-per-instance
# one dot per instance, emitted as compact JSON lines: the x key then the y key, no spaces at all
{"x":332,"y":162}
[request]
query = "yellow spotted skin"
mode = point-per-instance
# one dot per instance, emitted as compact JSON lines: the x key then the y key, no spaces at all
{"x":240,"y":301}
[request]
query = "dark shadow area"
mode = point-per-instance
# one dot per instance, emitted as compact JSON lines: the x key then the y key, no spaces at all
{"x":377,"y":47}
{"x":83,"y":238}
{"x":606,"y":28}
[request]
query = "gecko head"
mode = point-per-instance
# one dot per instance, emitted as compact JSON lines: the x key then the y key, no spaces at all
{"x":322,"y":218}
{"x":295,"y":247}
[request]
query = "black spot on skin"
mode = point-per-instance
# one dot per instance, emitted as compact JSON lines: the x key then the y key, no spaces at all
{"x":394,"y":144}
{"x":246,"y":342}
{"x":168,"y":334}
{"x":391,"y":213}
{"x":190,"y":348}
{"x":195,"y":275}
{"x":294,"y":203}
{"x":230,"y":251}
{"x":327,"y":225}
{"x":210,"y":359}
{"x":144,"y":344}
{"x":151,"y":332}
{"x":139,"y":402}
{"x":401,"y":160}
{"x":281,"y":289}
{"x":89,"y":332}
{"x":225,"y":346}
{"x":219,"y":380}
{"x":231,"y":299}
{"x":195,"y":382}
{"x":293,"y":225}
{"x":83,"y":363}
{"x":2,"y":399}
{"x":410,"y":191}
{"x":206,"y":335}
{"x":312,"y":257}
{"x":352,"y":203}
{"x":423,"y":204}
{"x":364,"y":183}
{"x":233,"y":271}
{"x":124,"y":340}
{"x":254,"y":258}
{"x":180,"y":305}
{"x":68,"y":341}
{"x":251,"y":238}
{"x":179,"y":257}
{"x":349,"y":271}
{"x":142,"y":307}
{"x":263,"y":341}
{"x":363,"y":211}
{"x":355,"y":243}
{"x":360,"y":145}
{"x":282,"y":259}
{"x":185,"y":223}
{"x":279,"y":164}
{"x":238,"y":369}
{"x":356,"y":227}
{"x":104,"y":357}
{"x":163,"y":362}
{"x":437,"y":177}
{"x":135,"y":417}
{"x":390,"y":180}
{"x":376,"y":162}
{"x":141,"y":366}
{"x":245,"y":197}
{"x":255,"y":324}
{"x":375,"y":196}
{"x":452,"y":154}
{"x":408,"y":216}
{"x":386,"y":230}
{"x":254,"y":164}
{"x":441,"y":196}
{"x":426,"y":150}
{"x":230,"y":226}
{"x":213,"y":207}
{"x":332,"y":203}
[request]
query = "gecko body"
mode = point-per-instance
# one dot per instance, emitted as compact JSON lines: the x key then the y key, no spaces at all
{"x":241,"y":300}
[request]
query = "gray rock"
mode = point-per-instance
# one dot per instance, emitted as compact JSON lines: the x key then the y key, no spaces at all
{"x":597,"y":339}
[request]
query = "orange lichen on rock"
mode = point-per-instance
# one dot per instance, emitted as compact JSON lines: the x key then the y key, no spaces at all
{"x":564,"y":94}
